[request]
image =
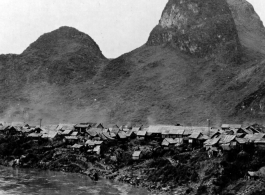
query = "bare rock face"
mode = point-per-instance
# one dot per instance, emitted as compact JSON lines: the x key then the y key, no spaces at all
{"x":250,"y":28}
{"x":200,"y":28}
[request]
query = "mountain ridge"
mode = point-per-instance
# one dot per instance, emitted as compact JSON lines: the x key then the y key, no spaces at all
{"x":64,"y":77}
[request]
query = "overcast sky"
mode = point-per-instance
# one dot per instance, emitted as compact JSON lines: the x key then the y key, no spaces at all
{"x":118,"y":26}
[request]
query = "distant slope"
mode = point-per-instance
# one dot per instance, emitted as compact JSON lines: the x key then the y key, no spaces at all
{"x":157,"y":84}
{"x":250,"y":28}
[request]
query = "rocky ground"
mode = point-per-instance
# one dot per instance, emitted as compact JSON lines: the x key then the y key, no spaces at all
{"x":178,"y":170}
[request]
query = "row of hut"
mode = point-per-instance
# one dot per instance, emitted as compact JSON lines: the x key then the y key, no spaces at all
{"x":90,"y":136}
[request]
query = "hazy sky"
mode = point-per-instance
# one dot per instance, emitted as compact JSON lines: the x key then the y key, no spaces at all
{"x":118,"y":26}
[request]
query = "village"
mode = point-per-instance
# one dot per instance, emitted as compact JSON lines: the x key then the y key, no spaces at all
{"x":157,"y":157}
{"x":88,"y":137}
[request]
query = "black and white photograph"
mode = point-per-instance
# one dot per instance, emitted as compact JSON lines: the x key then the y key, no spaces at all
{"x":132,"y":97}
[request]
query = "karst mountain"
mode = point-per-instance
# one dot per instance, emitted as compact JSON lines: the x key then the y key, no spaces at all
{"x":203,"y":60}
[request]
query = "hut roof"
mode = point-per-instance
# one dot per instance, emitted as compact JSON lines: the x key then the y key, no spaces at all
{"x":187,"y":131}
{"x":254,"y":137}
{"x":74,"y":133}
{"x":114,"y":130}
{"x":96,"y":149}
{"x":107,"y":135}
{"x":135,"y":129}
{"x":256,"y":128}
{"x":77,"y":146}
{"x":91,"y":124}
{"x":235,"y":126}
{"x":141,"y":133}
{"x":203,"y":137}
{"x":213,"y":132}
{"x":129,"y":133}
{"x":122,"y":135}
{"x":195,"y":135}
{"x":50,"y":134}
{"x":245,"y":131}
{"x":241,"y":140}
{"x":158,"y":129}
{"x":261,"y":141}
{"x":82,"y":126}
{"x":27,"y":130}
{"x":179,"y":141}
{"x":94,"y":131}
{"x":90,"y":142}
{"x":136,"y":153}
{"x":165,"y":131}
{"x":2,"y":128}
{"x":225,"y":139}
{"x":176,"y":131}
{"x":172,"y":130}
{"x":252,"y":173}
{"x":98,"y":142}
{"x":66,"y":132}
{"x":35,"y":135}
{"x":226,"y":147}
{"x":64,"y":127}
{"x":225,"y":126}
{"x":126,"y":127}
{"x":211,"y":142}
{"x":102,"y":136}
{"x":165,"y":143}
{"x":171,"y":140}
{"x":240,"y":134}
{"x":154,"y":129}
{"x":71,"y":137}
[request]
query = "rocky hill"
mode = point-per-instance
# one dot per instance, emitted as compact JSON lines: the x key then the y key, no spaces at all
{"x":200,"y":28}
{"x":42,"y":82}
{"x":204,"y":60}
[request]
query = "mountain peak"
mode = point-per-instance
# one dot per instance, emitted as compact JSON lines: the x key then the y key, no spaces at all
{"x":64,"y":40}
{"x":200,"y":28}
